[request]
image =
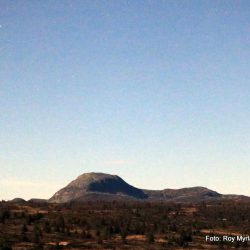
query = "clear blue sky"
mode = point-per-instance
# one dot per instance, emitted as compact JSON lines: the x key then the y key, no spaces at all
{"x":157,"y":92}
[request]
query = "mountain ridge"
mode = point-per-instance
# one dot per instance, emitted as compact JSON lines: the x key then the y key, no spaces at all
{"x":101,"y":186}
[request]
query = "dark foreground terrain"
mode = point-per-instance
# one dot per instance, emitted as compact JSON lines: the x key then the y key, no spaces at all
{"x":122,"y":225}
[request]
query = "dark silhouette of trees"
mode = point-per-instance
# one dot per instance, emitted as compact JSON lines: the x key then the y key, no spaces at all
{"x":112,"y":224}
{"x":150,"y":237}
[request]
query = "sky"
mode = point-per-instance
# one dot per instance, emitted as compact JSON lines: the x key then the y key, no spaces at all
{"x":157,"y":92}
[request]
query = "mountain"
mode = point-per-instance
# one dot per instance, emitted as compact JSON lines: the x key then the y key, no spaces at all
{"x":17,"y":200}
{"x":100,"y":186}
{"x":91,"y":186}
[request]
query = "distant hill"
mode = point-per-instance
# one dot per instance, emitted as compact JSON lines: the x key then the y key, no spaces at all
{"x":37,"y":200}
{"x":18,"y":200}
{"x":191,"y":194}
{"x":100,"y":186}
